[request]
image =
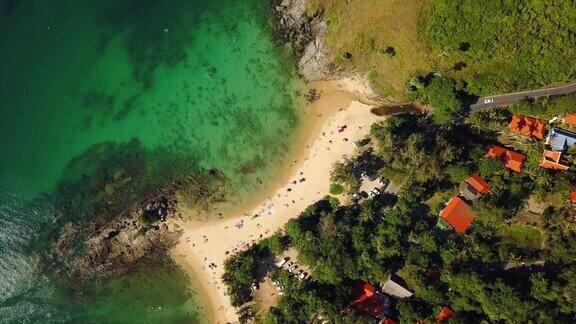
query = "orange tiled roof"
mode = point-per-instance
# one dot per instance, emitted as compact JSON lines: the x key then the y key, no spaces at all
{"x":552,"y":160}
{"x":387,"y":320}
{"x":369,"y":289}
{"x":528,"y":126}
{"x":458,"y":214}
{"x":479,"y":184}
{"x":573,"y":195}
{"x":445,"y":313}
{"x":570,"y":119}
{"x":511,"y":160}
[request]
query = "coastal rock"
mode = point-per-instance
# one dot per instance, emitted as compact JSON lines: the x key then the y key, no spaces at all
{"x":306,"y":36}
{"x":114,"y":238}
{"x":84,"y":252}
{"x":315,"y":62}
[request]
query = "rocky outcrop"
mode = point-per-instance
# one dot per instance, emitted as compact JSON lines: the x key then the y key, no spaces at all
{"x":85,"y":251}
{"x":116,"y":234}
{"x":306,"y":35}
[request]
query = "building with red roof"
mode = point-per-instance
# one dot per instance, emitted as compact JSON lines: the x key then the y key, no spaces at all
{"x":510,"y":159}
{"x":387,"y":320}
{"x":528,"y":126}
{"x":553,"y":160}
{"x":573,"y":195}
{"x":474,"y":187}
{"x":478,"y":184}
{"x":372,"y":302}
{"x":445,"y":313}
{"x":458,"y":214}
{"x":570,"y":119}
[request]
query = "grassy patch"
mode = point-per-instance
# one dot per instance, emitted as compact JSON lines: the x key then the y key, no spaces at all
{"x":336,"y":189}
{"x":436,"y":202}
{"x":367,"y":28}
{"x":519,"y":241}
{"x":486,"y":46}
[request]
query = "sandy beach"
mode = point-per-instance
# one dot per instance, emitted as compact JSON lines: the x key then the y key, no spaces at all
{"x":303,"y":182}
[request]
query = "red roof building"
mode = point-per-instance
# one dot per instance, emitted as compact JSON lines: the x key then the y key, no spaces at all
{"x":528,"y":126}
{"x":510,"y":159}
{"x":371,"y":302}
{"x":458,"y":214}
{"x":479,"y":184}
{"x":387,"y":320}
{"x":570,"y":119}
{"x":573,"y":195}
{"x":553,"y":160}
{"x":445,"y":313}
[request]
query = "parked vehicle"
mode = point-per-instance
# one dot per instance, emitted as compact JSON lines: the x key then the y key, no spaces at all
{"x":281,"y":263}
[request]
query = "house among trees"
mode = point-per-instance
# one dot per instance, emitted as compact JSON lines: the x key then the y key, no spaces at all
{"x":573,"y":195}
{"x":553,"y":160}
{"x":510,"y":159}
{"x":569,"y":119}
{"x":396,"y":286}
{"x":444,"y":314}
{"x":457,"y":214}
{"x":560,"y":139}
{"x":528,"y":126}
{"x":474,"y":187}
{"x":373,"y":303}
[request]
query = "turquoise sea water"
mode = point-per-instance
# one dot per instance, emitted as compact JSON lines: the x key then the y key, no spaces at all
{"x":176,"y":85}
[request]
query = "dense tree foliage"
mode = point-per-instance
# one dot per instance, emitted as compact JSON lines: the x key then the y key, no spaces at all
{"x":442,"y":97}
{"x":507,"y":45}
{"x":240,"y":272}
{"x":501,"y":269}
{"x":545,"y":108}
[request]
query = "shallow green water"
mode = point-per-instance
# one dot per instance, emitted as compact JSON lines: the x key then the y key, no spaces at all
{"x":198,"y":84}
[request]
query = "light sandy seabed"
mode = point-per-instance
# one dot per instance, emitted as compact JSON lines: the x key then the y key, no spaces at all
{"x":204,"y":243}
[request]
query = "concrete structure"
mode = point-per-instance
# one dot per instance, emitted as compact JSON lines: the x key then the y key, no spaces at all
{"x":553,"y":160}
{"x":396,"y":286}
{"x":560,"y":139}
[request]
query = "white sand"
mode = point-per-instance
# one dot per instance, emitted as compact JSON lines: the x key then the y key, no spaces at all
{"x":206,"y":243}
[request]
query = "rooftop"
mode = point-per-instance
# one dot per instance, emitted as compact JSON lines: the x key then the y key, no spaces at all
{"x":553,"y":160}
{"x":445,"y":313}
{"x":458,"y":214}
{"x":396,"y":286}
{"x":478,"y":183}
{"x":510,"y":159}
{"x":372,"y":302}
{"x":570,"y":119}
{"x":560,"y":139}
{"x":573,"y":195}
{"x":528,"y":126}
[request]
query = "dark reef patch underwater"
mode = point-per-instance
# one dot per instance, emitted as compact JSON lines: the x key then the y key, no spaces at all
{"x":103,"y":102}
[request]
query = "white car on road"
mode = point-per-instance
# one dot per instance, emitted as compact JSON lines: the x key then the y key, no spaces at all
{"x":487,"y":101}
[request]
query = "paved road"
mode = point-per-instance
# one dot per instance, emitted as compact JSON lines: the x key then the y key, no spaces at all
{"x":507,"y":99}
